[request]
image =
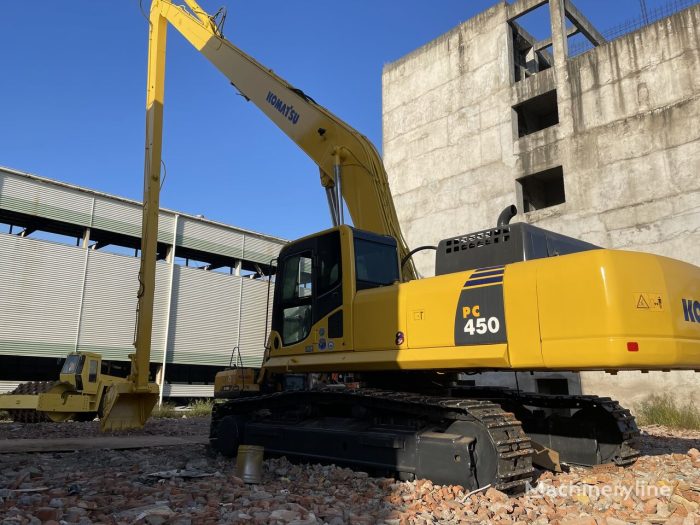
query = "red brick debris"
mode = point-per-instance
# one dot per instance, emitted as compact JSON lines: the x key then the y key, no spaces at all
{"x":188,"y":486}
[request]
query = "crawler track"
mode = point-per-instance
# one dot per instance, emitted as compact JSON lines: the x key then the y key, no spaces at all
{"x":385,"y":421}
{"x":596,"y":430}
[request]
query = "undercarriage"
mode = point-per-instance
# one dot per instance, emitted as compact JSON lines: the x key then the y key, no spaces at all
{"x":468,"y":436}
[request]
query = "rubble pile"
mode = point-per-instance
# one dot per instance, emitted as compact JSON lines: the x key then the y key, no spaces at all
{"x":189,"y":486}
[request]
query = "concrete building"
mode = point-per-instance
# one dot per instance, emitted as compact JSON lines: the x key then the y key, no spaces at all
{"x":68,"y":281}
{"x":603,"y":146}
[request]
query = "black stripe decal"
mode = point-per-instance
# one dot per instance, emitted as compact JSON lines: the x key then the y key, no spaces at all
{"x":487,"y":280}
{"x":480,"y":273}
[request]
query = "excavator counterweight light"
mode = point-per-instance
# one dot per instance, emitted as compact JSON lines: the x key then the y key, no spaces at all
{"x":632,"y":346}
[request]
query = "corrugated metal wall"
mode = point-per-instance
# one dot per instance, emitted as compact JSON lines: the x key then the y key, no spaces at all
{"x":56,"y":298}
{"x":41,"y":286}
{"x":24,"y":195}
{"x":253,"y":327}
{"x":108,"y":314}
{"x":209,"y":238}
{"x":204,"y":317}
{"x":260,"y":250}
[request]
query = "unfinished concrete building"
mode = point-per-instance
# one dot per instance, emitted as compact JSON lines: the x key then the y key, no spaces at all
{"x":603,"y":146}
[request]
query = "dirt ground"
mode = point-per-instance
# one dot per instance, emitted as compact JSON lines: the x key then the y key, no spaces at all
{"x":187,"y":486}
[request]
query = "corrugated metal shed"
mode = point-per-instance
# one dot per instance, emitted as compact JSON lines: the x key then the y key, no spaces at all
{"x":57,"y":298}
{"x":25,"y":193}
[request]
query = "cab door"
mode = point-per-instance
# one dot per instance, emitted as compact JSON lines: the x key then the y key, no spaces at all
{"x":309,"y":288}
{"x":296,"y":297}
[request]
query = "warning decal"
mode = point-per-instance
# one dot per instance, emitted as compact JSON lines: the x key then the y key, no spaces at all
{"x":649,"y":301}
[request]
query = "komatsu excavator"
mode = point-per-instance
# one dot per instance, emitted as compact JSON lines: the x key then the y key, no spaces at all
{"x":393,"y":349}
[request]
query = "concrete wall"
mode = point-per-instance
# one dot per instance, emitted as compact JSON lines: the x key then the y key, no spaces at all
{"x":447,"y":130}
{"x":628,"y":141}
{"x":631,"y":155}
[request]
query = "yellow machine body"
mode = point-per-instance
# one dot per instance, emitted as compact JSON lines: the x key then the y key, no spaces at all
{"x":349,"y":300}
{"x":594,"y":310}
{"x":234,"y":382}
{"x":84,"y":392}
{"x":597,"y":309}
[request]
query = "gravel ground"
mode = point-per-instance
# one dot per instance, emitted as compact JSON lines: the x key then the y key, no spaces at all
{"x":182,"y":486}
{"x":192,"y":426}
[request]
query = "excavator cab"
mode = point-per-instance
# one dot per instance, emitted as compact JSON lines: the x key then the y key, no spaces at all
{"x":318,"y":281}
{"x":309,"y":288}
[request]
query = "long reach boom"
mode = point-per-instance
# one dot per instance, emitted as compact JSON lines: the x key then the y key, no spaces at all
{"x":350,"y":167}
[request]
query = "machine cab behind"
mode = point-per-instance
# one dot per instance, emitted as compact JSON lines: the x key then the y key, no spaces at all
{"x":82,"y":370}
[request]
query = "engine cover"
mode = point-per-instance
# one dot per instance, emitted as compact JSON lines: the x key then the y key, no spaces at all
{"x":503,"y":245}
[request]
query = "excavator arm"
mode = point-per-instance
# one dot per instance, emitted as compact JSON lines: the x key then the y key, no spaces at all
{"x":349,"y":164}
{"x":350,"y":167}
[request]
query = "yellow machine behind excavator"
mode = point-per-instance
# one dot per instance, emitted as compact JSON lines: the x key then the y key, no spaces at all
{"x":82,"y":393}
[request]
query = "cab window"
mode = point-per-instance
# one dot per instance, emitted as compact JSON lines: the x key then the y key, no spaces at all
{"x":376,"y":264}
{"x":297,"y":291}
{"x":309,"y":286}
{"x":92,"y":373}
{"x":328,"y":249}
{"x":72,"y":365}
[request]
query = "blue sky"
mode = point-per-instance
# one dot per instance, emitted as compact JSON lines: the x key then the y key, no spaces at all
{"x":72,"y":95}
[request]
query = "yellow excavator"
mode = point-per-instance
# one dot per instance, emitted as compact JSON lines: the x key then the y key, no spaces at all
{"x":365,"y":362}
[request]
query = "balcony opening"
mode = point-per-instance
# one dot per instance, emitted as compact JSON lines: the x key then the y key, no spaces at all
{"x":537,"y":113}
{"x":542,"y":190}
{"x":527,"y":59}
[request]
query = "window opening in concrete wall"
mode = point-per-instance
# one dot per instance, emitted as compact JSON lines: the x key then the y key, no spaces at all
{"x":541,"y":190}
{"x":531,"y":36}
{"x":527,"y":60}
{"x":537,"y":113}
{"x":553,"y":385}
